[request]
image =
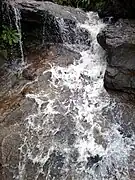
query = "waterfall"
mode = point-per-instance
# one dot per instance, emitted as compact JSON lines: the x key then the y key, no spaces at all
{"x":73,"y":132}
{"x":18,"y":27}
{"x":9,"y":7}
{"x":73,"y":35}
{"x":43,"y":34}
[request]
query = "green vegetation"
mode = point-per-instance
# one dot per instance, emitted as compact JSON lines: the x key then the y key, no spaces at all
{"x":84,"y":4}
{"x":8,"y":38}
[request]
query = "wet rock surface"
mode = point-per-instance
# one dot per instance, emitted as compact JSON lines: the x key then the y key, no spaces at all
{"x":93,"y":160}
{"x":45,"y":144}
{"x":54,"y":9}
{"x":48,"y":22}
{"x":15,"y":107}
{"x":62,"y":124}
{"x":119,"y":42}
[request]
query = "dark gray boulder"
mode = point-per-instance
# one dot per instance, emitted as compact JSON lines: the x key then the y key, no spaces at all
{"x":119,"y":42}
{"x":47,"y":22}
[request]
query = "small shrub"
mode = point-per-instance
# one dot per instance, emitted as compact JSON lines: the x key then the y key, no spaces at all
{"x":8,"y":38}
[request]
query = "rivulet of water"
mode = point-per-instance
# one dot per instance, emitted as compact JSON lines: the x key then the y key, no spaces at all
{"x":18,"y":27}
{"x":74,"y":130}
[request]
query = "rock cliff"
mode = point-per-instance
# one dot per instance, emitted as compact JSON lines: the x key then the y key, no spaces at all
{"x":46,"y":22}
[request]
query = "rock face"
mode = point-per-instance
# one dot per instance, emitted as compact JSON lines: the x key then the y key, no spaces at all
{"x":48,"y":22}
{"x":119,"y":42}
{"x":15,"y":107}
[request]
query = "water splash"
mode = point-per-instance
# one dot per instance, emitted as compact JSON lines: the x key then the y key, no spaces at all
{"x":73,"y":35}
{"x":72,"y":132}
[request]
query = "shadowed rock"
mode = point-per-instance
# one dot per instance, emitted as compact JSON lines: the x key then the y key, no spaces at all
{"x":46,"y":22}
{"x":54,"y":165}
{"x":92,"y":160}
{"x":118,"y":9}
{"x":119,"y":42}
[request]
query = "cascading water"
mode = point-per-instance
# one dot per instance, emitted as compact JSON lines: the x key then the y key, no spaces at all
{"x":18,"y":27}
{"x":74,"y":132}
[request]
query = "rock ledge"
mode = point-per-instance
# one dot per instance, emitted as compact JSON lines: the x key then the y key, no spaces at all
{"x":119,"y":42}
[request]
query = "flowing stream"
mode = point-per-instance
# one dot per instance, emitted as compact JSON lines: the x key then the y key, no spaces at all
{"x":75,"y":133}
{"x":18,"y":27}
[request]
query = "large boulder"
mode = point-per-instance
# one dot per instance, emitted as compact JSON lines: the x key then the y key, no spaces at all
{"x":44,"y":21}
{"x":119,"y":42}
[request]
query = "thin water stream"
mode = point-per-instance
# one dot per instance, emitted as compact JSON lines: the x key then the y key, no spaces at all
{"x":18,"y":27}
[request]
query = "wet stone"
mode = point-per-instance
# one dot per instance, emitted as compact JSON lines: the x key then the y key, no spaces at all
{"x":43,"y":106}
{"x":62,"y":135}
{"x":47,"y":76}
{"x":7,"y":174}
{"x":71,"y":139}
{"x":54,"y":165}
{"x":59,"y":107}
{"x":27,"y":74}
{"x":74,"y":154}
{"x":41,"y":176}
{"x":31,"y":170}
{"x":65,"y":94}
{"x":93,"y":160}
{"x":10,"y":155}
{"x":125,"y":133}
{"x":44,"y":80}
{"x":28,"y":107}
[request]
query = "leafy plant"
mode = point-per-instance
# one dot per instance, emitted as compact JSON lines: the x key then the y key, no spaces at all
{"x":8,"y":38}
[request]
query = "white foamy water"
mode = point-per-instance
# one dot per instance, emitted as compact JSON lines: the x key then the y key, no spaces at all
{"x":73,"y":134}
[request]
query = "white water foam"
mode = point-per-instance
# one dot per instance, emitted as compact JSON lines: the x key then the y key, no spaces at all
{"x":80,"y":112}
